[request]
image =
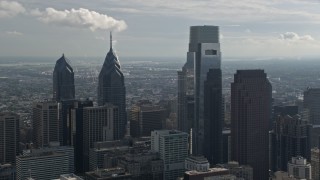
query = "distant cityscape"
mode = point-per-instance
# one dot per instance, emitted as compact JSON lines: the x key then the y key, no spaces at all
{"x":201,"y":118}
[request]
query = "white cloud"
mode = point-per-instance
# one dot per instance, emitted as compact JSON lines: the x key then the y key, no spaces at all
{"x":230,"y":10}
{"x":81,"y":18}
{"x":289,"y":44}
{"x":14,"y":33}
{"x":10,"y":9}
{"x":292,"y":36}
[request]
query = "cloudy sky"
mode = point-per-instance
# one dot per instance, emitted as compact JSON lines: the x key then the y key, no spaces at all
{"x":158,"y":28}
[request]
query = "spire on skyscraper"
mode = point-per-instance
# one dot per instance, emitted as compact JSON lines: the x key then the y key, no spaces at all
{"x":110,"y":39}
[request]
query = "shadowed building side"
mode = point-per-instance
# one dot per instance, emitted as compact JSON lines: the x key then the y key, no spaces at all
{"x":251,"y":95}
{"x":213,"y":116}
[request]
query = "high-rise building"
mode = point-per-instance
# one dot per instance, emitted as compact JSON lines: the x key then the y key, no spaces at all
{"x":213,"y":116}
{"x":9,"y":137}
{"x":282,"y":111}
{"x":173,"y":149}
{"x":311,"y":101}
{"x":145,"y":118}
{"x":315,"y":163}
{"x":98,"y":125}
{"x":299,"y":168}
{"x":111,"y":89}
{"x":46,"y":123}
{"x":292,"y":137}
{"x":63,"y":80}
{"x":77,"y":132}
{"x":251,"y":95}
{"x":186,"y":95}
{"x":204,"y":47}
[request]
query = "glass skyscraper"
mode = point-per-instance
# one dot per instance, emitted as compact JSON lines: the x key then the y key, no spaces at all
{"x":111,"y":89}
{"x":63,"y":80}
{"x":251,"y":95}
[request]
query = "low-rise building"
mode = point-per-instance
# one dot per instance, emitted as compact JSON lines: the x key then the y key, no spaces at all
{"x":299,"y":168}
{"x":106,"y":174}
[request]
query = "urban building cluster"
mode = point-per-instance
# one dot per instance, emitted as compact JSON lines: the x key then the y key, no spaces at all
{"x":106,"y":139}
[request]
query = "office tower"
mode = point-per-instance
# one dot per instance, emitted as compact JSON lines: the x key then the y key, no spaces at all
{"x":251,"y":94}
{"x":186,"y":95}
{"x":65,"y":121}
{"x":213,"y":116}
{"x":315,"y":163}
{"x":111,"y":89}
{"x":204,"y":48}
{"x":42,"y":165}
{"x":145,"y":117}
{"x":173,"y":149}
{"x":292,"y":137}
{"x":46,"y":123}
{"x":299,"y":168}
{"x":9,"y":137}
{"x":98,"y":125}
{"x":63,"y":80}
{"x":77,"y":132}
{"x":64,"y":92}
{"x":311,"y":101}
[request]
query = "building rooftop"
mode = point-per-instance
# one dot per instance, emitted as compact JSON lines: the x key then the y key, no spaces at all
{"x":211,"y":170}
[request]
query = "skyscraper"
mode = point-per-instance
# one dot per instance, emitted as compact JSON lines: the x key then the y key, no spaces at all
{"x":251,"y":95}
{"x":46,"y":123}
{"x":311,"y":101}
{"x":186,"y":95}
{"x":77,"y":133}
{"x":111,"y":89}
{"x":9,"y":137}
{"x":98,"y":125}
{"x":204,"y":47}
{"x":213,"y":116}
{"x":146,"y":117}
{"x":292,"y":137}
{"x":63,"y":80}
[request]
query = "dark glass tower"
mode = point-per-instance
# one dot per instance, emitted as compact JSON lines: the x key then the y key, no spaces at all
{"x":63,"y":80}
{"x":213,"y":115}
{"x":111,"y":89}
{"x":205,"y":47}
{"x":292,"y":137}
{"x":251,"y":95}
